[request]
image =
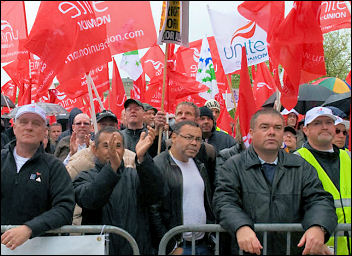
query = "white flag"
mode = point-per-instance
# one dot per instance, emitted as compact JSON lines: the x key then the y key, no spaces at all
{"x":206,"y":72}
{"x":232,"y":31}
{"x":131,"y":63}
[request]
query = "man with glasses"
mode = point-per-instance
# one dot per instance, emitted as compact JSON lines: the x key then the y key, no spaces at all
{"x":332,"y":164}
{"x":341,"y":128}
{"x":79,"y":139}
{"x":187,"y":196}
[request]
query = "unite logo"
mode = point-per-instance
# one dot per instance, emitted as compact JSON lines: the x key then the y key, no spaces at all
{"x":157,"y":65}
{"x":7,"y":33}
{"x":262,"y":84}
{"x":246,"y":31}
{"x":84,"y":7}
{"x":119,"y":102}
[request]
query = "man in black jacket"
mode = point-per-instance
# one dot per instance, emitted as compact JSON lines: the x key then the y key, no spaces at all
{"x":187,"y":196}
{"x":113,"y":194}
{"x":264,"y":184}
{"x":36,"y":190}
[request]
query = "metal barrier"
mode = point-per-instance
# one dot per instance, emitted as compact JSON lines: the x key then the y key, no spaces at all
{"x":89,"y":229}
{"x":294,"y":227}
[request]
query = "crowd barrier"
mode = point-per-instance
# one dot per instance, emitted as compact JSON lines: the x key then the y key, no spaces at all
{"x":289,"y":228}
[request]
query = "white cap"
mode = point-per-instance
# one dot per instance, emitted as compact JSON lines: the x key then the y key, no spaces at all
{"x":339,"y":120}
{"x":317,"y":112}
{"x":211,"y":103}
{"x":286,"y":112}
{"x":31,"y":108}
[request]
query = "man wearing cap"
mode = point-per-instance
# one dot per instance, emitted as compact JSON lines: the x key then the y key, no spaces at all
{"x":36,"y":191}
{"x":219,"y":140}
{"x":341,"y":128}
{"x":214,"y":106}
{"x":290,"y":139}
{"x":149,"y":114}
{"x":332,"y":164}
{"x":84,"y":159}
{"x":134,"y":111}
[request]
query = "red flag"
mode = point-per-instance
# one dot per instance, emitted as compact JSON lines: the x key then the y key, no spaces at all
{"x":13,"y":30}
{"x":129,"y":24}
{"x":334,"y":15}
{"x":264,"y":84}
{"x":118,"y":96}
{"x":297,"y":45}
{"x":77,"y":86}
{"x":153,"y":62}
{"x":348,"y":79}
{"x":65,"y":101}
{"x":267,"y":14}
{"x":246,"y":104}
{"x":9,"y":89}
{"x":138,"y":90}
{"x":224,"y":121}
{"x":61,"y":41}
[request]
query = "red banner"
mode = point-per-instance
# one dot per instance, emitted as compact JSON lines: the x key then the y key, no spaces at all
{"x":65,"y":101}
{"x":61,"y":41}
{"x":9,"y":89}
{"x":13,"y":30}
{"x":264,"y":84}
{"x":153,"y":61}
{"x":334,"y":15}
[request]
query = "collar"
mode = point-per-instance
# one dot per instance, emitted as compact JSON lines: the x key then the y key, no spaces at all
{"x":263,"y":162}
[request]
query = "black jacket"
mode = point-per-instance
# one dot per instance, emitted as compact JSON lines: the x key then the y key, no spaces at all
{"x":168,"y":212}
{"x":131,"y":138}
{"x":220,"y":140}
{"x":243,"y":197}
{"x":227,"y":153}
{"x":39,"y":196}
{"x":120,"y":199}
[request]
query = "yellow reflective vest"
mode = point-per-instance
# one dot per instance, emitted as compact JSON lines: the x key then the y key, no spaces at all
{"x":343,"y":202}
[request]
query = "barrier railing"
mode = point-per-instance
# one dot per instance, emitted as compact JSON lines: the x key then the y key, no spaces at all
{"x":289,"y":228}
{"x":90,"y":229}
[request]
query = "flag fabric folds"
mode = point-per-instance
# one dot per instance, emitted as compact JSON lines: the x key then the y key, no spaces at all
{"x":264,"y":84}
{"x":334,"y":15}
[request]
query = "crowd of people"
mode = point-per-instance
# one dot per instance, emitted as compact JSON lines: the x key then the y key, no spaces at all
{"x":294,"y":171}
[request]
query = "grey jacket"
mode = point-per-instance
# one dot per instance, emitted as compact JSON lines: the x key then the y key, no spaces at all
{"x":243,"y":197}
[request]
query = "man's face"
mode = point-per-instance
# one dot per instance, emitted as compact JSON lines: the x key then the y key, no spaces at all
{"x":55,"y":132}
{"x":105,"y":122}
{"x":206,"y":124}
{"x":321,"y":131}
{"x":268,"y":132}
{"x":81,"y":125}
{"x":185,"y":112}
{"x":101,"y":151}
{"x":187,"y":143}
{"x":216,"y":113}
{"x":148,"y":117}
{"x":29,"y":129}
{"x":291,"y":119}
{"x":340,"y":139}
{"x":134,"y":114}
{"x":290,"y":140}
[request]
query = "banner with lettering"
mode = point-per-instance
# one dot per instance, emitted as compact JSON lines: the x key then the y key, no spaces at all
{"x":334,"y":15}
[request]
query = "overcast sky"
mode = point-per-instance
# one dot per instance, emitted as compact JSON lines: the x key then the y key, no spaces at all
{"x":199,"y":22}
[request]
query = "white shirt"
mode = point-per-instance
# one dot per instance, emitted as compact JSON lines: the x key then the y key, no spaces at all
{"x":20,"y":161}
{"x":193,"y":197}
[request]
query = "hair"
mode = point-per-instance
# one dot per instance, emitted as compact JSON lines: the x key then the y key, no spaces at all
{"x":177,"y":127}
{"x":55,"y":124}
{"x":188,"y":103}
{"x":264,"y":111}
{"x":108,"y":129}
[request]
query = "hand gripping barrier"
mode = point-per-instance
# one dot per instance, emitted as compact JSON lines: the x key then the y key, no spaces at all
{"x":294,"y":227}
{"x":89,"y":229}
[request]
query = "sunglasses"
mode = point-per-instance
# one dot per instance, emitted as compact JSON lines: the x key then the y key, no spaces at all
{"x":343,"y":132}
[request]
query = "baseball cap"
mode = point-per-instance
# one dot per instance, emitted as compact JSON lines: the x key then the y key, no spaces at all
{"x":339,"y":120}
{"x":31,"y":108}
{"x":129,"y":101}
{"x":316,"y":112}
{"x":290,"y":129}
{"x":106,"y":113}
{"x":286,"y":112}
{"x":147,"y":107}
{"x":212,"y":104}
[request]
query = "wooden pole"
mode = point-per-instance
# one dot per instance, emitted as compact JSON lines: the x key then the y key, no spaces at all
{"x":90,"y":80}
{"x":163,"y":94}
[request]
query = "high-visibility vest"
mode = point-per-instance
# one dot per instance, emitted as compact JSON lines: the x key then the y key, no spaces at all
{"x":220,"y":130}
{"x":343,"y":203}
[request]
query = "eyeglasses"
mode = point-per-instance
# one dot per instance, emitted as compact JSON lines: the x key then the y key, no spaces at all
{"x":190,"y":138}
{"x":82,"y":123}
{"x":343,"y":132}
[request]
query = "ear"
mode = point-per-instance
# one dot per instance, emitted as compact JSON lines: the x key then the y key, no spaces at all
{"x":306,"y":130}
{"x":251,"y":132}
{"x":93,"y":147}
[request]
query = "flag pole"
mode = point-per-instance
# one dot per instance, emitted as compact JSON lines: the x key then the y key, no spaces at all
{"x":90,"y":80}
{"x":163,"y":95}
{"x":231,"y":90}
{"x":94,"y":120}
{"x":29,"y":55}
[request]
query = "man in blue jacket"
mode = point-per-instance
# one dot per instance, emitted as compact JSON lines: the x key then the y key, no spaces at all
{"x":36,"y":190}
